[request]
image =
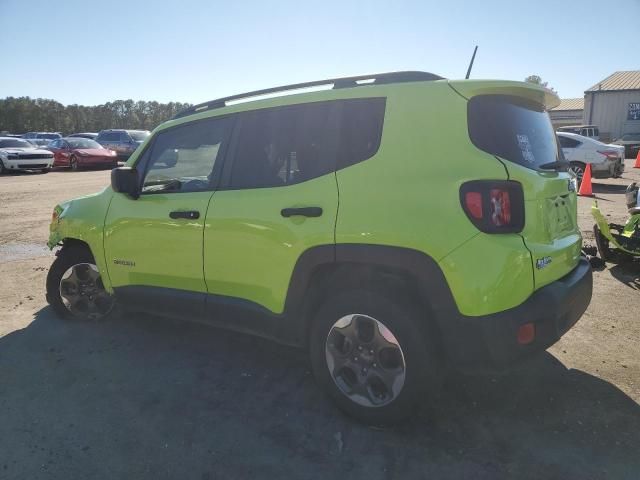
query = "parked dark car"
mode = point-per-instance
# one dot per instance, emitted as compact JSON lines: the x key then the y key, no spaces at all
{"x":78,"y":153}
{"x":41,"y":139}
{"x":631,"y":143}
{"x":123,"y":142}
{"x":89,"y":135}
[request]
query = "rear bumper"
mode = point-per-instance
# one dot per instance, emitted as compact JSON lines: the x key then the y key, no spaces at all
{"x":607,"y":169}
{"x":489,"y":343}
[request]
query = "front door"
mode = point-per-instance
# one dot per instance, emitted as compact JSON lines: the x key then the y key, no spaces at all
{"x":278,"y":198}
{"x":153,"y":244}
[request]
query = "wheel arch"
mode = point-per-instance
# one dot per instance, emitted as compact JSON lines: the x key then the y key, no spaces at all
{"x":408,"y":273}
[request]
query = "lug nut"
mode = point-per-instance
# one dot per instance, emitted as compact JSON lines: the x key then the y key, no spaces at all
{"x":360,"y":347}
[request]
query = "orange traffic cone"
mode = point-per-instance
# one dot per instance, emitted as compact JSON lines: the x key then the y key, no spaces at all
{"x":585,"y":186}
{"x":637,"y":164}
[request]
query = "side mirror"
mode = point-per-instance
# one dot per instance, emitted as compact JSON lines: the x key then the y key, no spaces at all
{"x":125,"y":180}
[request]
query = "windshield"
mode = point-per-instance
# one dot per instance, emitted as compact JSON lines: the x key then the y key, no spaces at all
{"x":138,"y":136}
{"x":49,"y":136}
{"x":513,"y":128}
{"x":15,"y":143}
{"x":83,"y":143}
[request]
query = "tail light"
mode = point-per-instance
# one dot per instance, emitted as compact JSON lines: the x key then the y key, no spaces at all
{"x":609,"y":154}
{"x":494,"y":206}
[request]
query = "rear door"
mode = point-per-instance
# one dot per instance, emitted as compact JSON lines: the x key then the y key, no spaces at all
{"x":518,"y":131}
{"x":279,"y":198}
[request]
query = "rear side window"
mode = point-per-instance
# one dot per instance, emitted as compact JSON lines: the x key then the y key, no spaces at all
{"x":512,"y":128}
{"x":566,"y":142}
{"x":287,"y":145}
{"x":361,"y":130}
{"x":282,"y":146}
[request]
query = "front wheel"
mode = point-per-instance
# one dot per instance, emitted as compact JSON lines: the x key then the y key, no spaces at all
{"x":577,"y":169}
{"x":3,"y":169}
{"x":373,"y":356}
{"x":74,"y":286}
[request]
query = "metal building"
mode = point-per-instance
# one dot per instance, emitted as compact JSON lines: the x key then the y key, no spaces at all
{"x":569,"y":112}
{"x":614,"y":105}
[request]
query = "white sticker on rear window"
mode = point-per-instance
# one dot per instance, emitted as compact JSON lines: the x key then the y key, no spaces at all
{"x":525,"y":148}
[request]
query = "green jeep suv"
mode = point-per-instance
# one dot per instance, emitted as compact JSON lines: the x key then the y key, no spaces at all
{"x":394,"y":225}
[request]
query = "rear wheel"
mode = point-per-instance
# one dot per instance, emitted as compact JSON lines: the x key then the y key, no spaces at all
{"x":3,"y":169}
{"x":73,"y":163}
{"x":370,"y":354}
{"x":74,"y":286}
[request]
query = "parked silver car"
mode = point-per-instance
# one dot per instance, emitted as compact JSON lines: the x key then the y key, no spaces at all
{"x":41,"y":139}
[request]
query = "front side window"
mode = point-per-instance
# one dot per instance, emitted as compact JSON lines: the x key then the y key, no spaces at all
{"x":182,"y":159}
{"x":282,"y":146}
{"x":512,"y":128}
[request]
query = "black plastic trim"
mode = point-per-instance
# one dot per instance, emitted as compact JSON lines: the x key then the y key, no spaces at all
{"x":486,"y":343}
{"x":346,"y":82}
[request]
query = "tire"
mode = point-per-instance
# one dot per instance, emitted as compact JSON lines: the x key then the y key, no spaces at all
{"x":78,"y":260}
{"x":73,"y":163}
{"x":3,"y":170}
{"x":578,"y":168}
{"x":45,"y":170}
{"x":418,"y":382}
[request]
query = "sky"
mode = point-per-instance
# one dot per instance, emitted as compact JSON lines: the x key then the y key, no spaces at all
{"x":89,"y":52}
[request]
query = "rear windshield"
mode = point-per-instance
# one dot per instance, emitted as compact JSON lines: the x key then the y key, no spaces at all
{"x":514,"y":129}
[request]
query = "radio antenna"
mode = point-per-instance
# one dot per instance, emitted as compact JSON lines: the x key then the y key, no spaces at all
{"x":473,"y":57}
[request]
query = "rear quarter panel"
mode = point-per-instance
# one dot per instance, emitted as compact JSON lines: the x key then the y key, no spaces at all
{"x":407,"y":195}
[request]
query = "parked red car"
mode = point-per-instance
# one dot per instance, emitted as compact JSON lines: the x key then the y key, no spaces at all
{"x":81,"y":152}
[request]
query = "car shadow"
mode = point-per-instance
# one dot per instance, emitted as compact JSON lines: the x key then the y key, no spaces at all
{"x":144,"y":397}
{"x":627,"y":273}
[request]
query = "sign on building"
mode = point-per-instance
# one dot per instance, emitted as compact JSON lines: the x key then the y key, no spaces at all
{"x":634,"y":111}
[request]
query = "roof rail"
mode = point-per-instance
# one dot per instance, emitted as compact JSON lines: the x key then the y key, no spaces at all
{"x":345,"y":82}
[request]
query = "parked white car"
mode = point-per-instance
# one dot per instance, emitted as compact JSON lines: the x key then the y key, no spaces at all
{"x":19,"y":154}
{"x":607,"y":160}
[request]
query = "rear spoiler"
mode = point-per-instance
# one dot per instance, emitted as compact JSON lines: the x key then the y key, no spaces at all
{"x":531,"y":91}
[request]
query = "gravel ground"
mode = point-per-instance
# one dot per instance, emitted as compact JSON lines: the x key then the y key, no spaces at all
{"x":148,"y":398}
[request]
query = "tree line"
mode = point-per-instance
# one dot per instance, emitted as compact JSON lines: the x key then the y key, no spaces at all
{"x":25,"y":114}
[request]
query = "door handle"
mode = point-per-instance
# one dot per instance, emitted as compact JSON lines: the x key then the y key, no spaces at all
{"x":302,"y":211}
{"x":188,"y":214}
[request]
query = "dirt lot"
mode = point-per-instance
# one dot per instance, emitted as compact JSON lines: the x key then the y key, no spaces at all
{"x":144,"y":397}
